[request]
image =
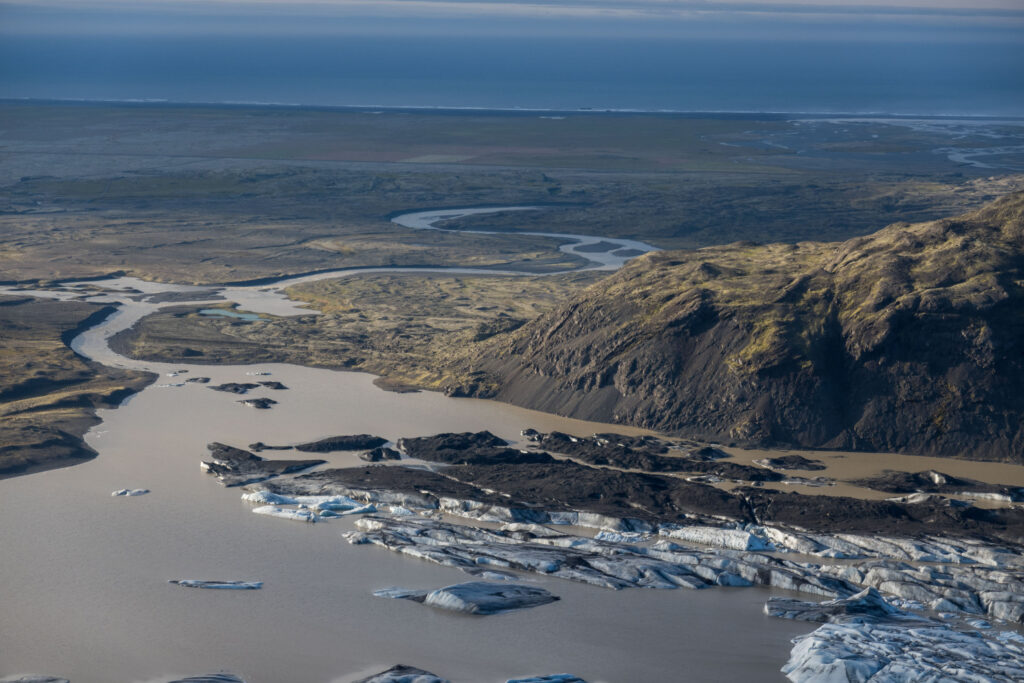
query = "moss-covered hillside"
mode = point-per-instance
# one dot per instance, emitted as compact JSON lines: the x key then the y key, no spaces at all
{"x":910,"y":340}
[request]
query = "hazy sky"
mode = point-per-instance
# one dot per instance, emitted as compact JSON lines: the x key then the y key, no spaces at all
{"x":795,"y":19}
{"x":938,"y":56}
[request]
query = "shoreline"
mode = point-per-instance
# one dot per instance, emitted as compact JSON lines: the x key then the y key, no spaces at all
{"x":119,"y":303}
{"x":525,"y":111}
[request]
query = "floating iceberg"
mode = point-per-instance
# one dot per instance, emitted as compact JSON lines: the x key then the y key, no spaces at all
{"x":883,"y":651}
{"x":403,"y":674}
{"x":475,"y":597}
{"x":306,"y":515}
{"x":130,"y":492}
{"x":268,"y":498}
{"x":733,"y":539}
{"x":868,"y":603}
{"x":308,"y":508}
{"x":622,"y":536}
{"x":611,"y":565}
{"x":227,"y":585}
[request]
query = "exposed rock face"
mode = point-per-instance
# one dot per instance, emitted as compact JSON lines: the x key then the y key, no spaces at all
{"x":527,"y":492}
{"x":906,"y":340}
{"x":260,"y":446}
{"x":355,"y":442}
{"x":468,"y":448}
{"x":648,"y":454}
{"x":235,"y":467}
{"x":937,"y":482}
{"x":235,"y":387}
{"x":380,"y":453}
{"x":603,"y":491}
{"x":259,"y":403}
{"x":616,"y":450}
{"x":854,"y":515}
{"x":418,"y":446}
{"x":526,"y":488}
{"x":476,"y":597}
{"x":791,"y":462}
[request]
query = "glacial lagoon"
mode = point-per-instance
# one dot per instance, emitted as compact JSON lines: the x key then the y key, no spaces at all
{"x":85,"y":590}
{"x":85,"y":574}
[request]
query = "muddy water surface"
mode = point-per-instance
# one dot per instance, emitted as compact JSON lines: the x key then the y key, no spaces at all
{"x":83,"y":576}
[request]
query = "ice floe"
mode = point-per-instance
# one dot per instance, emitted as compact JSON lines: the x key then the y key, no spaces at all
{"x":475,"y":597}
{"x":226,"y":585}
{"x":611,"y":565}
{"x":869,"y":602}
{"x":129,"y":492}
{"x":734,"y":539}
{"x":607,"y":560}
{"x":886,"y":651}
{"x":976,"y":590}
{"x":403,"y":674}
{"x":879,"y":595}
{"x":867,"y":638}
{"x":926,"y":549}
{"x":963,"y":576}
{"x":297,"y":515}
{"x":313,"y":508}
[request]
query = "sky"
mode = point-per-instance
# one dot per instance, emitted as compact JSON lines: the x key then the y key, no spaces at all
{"x":806,"y":19}
{"x":916,"y":56}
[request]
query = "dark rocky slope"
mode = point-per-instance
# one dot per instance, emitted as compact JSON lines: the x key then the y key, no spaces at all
{"x":48,"y":393}
{"x":906,"y":340}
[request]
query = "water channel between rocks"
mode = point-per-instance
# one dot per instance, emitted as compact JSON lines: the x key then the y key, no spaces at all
{"x":83,"y":576}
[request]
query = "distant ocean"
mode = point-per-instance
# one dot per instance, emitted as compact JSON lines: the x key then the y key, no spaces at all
{"x":543,"y":73}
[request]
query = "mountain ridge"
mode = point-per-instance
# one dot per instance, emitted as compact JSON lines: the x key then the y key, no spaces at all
{"x":906,"y":340}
